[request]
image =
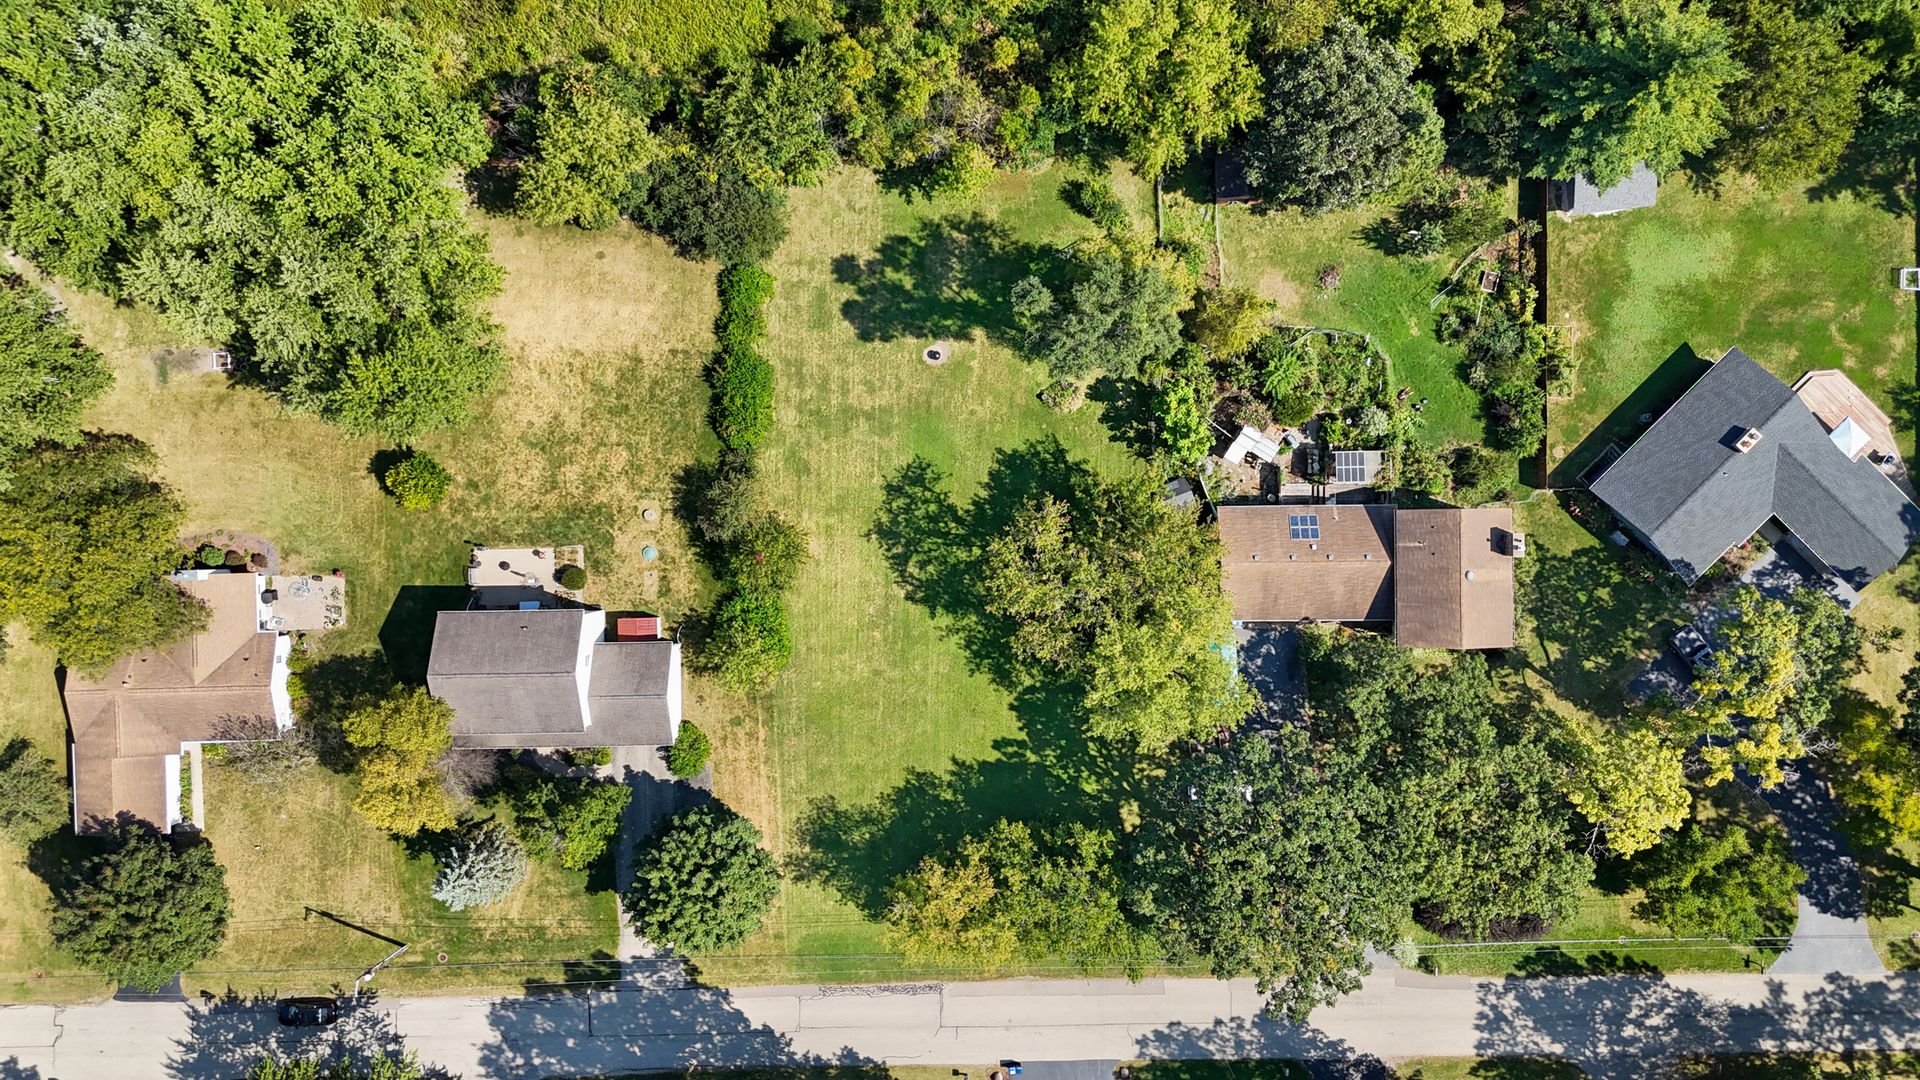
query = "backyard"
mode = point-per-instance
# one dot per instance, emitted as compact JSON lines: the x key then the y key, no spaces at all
{"x":1649,"y":290}
{"x":600,"y":411}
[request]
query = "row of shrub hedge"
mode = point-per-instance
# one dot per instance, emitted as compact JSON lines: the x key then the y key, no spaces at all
{"x":742,"y":411}
{"x":754,"y":551}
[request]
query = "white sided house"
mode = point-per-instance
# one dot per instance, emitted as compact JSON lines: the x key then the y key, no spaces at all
{"x":551,"y":677}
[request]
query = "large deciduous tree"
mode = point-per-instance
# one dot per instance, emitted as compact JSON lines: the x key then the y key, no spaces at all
{"x":272,"y":178}
{"x":1165,"y":76}
{"x":1738,"y":885}
{"x":141,"y":912}
{"x":1016,"y":893}
{"x":1796,"y":108}
{"x":1777,"y":668}
{"x":591,"y":139}
{"x":34,"y":798}
{"x":1121,"y":593}
{"x":1343,"y":123}
{"x":400,"y":740}
{"x":1282,"y":856}
{"x":47,"y":376}
{"x":1612,"y":84}
{"x":87,"y":539}
{"x":701,"y":880}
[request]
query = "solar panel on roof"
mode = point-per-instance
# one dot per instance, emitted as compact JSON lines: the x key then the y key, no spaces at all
{"x":1303,"y":526}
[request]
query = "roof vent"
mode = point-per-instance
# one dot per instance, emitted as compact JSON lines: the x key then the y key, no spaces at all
{"x":1747,"y":439}
{"x":1469,"y":575}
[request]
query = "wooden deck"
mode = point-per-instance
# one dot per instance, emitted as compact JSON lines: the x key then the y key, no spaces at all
{"x":1833,"y":398}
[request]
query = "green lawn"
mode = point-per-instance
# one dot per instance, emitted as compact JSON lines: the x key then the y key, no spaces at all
{"x":1796,"y":284}
{"x":885,"y":710}
{"x":1588,"y":622}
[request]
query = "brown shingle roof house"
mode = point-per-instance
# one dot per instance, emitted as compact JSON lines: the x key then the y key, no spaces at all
{"x":1287,"y":563}
{"x":549,"y":677}
{"x":1453,"y":579}
{"x":131,"y":723}
{"x":1443,"y":577}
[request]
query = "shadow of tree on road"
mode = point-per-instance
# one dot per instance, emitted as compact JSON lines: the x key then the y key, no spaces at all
{"x":619,"y":1032}
{"x":1628,"y":1027}
{"x":1242,"y":1039}
{"x":228,"y":1035}
{"x":11,"y":1069}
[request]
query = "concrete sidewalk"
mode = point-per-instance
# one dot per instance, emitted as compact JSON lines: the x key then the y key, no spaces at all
{"x":1613,"y":1026}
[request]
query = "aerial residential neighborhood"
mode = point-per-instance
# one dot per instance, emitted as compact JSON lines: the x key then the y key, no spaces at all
{"x":1060,"y":540}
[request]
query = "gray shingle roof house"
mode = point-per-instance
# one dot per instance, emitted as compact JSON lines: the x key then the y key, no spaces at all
{"x":1579,"y":197}
{"x":1741,"y":447}
{"x":550,"y":677}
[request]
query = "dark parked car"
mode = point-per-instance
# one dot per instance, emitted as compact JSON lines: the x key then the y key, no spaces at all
{"x":1693,"y":647}
{"x":309,"y":1011}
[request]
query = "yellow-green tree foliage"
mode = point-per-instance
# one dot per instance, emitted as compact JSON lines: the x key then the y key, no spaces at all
{"x":401,"y":739}
{"x":1878,"y":769}
{"x":1631,"y":788}
{"x":87,"y":538}
{"x":1752,"y":676}
{"x":1165,"y":75}
{"x":592,"y":135}
{"x":1120,"y":592}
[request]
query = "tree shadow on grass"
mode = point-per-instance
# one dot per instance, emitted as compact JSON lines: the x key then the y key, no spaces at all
{"x":1592,"y":619}
{"x":1053,"y":776}
{"x":1655,"y":395}
{"x":335,"y":687}
{"x":1056,"y":772}
{"x":947,"y":278}
{"x":1127,"y":414}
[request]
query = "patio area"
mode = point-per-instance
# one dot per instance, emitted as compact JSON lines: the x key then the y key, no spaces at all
{"x":523,"y":578}
{"x":310,"y":602}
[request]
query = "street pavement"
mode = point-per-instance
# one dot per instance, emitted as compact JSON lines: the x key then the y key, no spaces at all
{"x":1613,"y":1026}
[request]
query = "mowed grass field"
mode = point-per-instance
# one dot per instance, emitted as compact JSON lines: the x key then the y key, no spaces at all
{"x":1795,"y":283}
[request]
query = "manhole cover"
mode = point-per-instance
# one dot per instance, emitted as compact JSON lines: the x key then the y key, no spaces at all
{"x":939,"y":352}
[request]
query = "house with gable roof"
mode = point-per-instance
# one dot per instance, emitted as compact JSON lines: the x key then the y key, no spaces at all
{"x":1742,"y":451}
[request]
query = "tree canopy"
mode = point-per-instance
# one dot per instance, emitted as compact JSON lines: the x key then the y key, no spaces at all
{"x":701,"y":880}
{"x":87,"y":539}
{"x":1016,"y":893}
{"x":141,"y":912}
{"x":1118,"y":591}
{"x":1166,"y":76}
{"x":1282,"y":855}
{"x":47,"y":376}
{"x":270,"y":179}
{"x":400,"y":739}
{"x":1343,"y":122}
{"x":1612,"y":85}
{"x":34,"y":798}
{"x":1118,"y":310}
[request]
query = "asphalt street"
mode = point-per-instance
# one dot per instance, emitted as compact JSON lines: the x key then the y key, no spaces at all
{"x":1614,"y":1026}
